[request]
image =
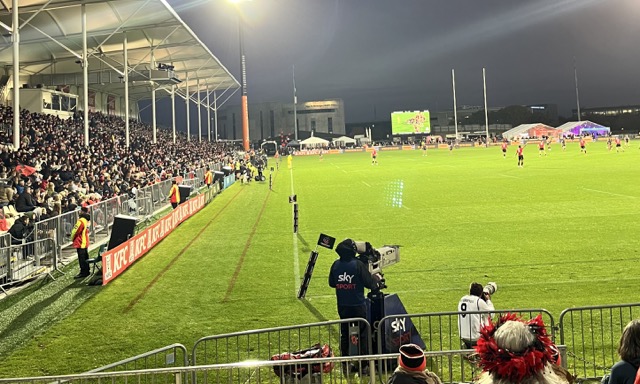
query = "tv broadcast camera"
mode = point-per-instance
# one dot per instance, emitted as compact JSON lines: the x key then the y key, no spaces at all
{"x":377,"y":259}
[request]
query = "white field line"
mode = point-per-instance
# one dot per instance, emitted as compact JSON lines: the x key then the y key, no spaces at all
{"x":609,"y":193}
{"x":514,"y":177}
{"x":296,"y":257}
{"x":365,"y":183}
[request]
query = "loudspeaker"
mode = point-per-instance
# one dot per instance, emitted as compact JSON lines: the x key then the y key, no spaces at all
{"x":227,"y":170}
{"x":124,"y":227}
{"x":185,"y":191}
{"x":4,"y":79}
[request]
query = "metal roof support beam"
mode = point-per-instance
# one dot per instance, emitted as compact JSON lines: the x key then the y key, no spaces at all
{"x":199,"y":113}
{"x":126,"y":88}
{"x":173,"y":111}
{"x":84,"y":36}
{"x":186,"y":99}
{"x":35,"y":14}
{"x":85,"y":75}
{"x":124,"y":22}
{"x":153,"y":102}
{"x":208,"y":116}
{"x":215,"y":117}
{"x":157,"y":46}
{"x":5,"y":26}
{"x":16,"y":76}
{"x":223,"y":92}
{"x":228,"y":97}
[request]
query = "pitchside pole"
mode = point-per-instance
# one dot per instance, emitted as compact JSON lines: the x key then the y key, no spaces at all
{"x":455,"y":104}
{"x":486,"y":113}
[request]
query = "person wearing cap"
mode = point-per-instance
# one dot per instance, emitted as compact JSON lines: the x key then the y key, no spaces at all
{"x":412,"y":367}
{"x":515,"y":351}
{"x":469,"y":324}
{"x":350,"y":276}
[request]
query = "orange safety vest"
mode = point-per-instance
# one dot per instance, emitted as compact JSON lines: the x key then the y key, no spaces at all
{"x":80,"y":234}
{"x":208,"y":178}
{"x":174,"y":194}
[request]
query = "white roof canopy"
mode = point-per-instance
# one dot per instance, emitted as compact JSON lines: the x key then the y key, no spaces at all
{"x":314,"y":142}
{"x":51,"y":45}
{"x":344,"y":139}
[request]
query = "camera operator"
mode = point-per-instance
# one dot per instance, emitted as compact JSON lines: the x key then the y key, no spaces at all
{"x":469,"y":325}
{"x":350,"y":276}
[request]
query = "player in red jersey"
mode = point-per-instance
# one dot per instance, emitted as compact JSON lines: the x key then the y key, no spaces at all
{"x":520,"y":154}
{"x":504,"y":149}
{"x":618,"y":144}
{"x":374,"y":156}
{"x":583,"y":145}
{"x":541,"y":148}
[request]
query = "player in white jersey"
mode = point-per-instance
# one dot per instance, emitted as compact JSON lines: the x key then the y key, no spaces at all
{"x":469,"y":324}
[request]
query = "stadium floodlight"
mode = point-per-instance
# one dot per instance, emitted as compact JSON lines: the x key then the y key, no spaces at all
{"x":243,"y":75}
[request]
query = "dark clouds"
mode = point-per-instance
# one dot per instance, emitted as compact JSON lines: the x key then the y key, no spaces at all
{"x":394,"y":55}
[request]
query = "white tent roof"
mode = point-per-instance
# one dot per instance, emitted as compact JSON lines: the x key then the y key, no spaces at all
{"x":587,"y":125}
{"x":344,"y":139}
{"x":314,"y":141}
{"x":515,"y":131}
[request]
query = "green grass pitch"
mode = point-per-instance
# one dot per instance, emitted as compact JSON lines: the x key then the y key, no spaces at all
{"x":563,"y":231}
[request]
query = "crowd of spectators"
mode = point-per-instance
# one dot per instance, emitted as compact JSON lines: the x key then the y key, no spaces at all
{"x":53,"y":172}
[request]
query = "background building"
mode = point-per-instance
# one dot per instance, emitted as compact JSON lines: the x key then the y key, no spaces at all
{"x":271,"y":119}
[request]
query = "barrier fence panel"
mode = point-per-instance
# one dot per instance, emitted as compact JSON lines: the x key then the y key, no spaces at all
{"x":302,"y":371}
{"x":592,"y":335}
{"x":261,"y":344}
{"x":27,"y":260}
{"x":174,"y":355}
{"x":439,"y":330}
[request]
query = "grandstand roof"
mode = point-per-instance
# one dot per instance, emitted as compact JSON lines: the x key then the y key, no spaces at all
{"x":51,"y":43}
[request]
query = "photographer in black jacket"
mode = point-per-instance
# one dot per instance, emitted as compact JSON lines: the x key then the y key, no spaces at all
{"x":350,"y":276}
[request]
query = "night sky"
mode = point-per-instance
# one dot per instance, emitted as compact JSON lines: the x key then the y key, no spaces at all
{"x":384,"y":55}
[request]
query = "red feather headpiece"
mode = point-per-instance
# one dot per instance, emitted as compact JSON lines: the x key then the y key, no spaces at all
{"x":514,"y":366}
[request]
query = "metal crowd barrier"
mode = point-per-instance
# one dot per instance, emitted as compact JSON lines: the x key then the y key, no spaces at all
{"x":439,"y":330}
{"x":592,"y":336}
{"x":19,"y":262}
{"x":174,"y":355}
{"x":53,"y":234}
{"x":262,"y":372}
{"x":148,"y":200}
{"x":261,"y":344}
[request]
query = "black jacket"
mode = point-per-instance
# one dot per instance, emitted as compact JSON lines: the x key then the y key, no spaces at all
{"x":19,"y":230}
{"x":350,"y":276}
{"x":25,"y":202}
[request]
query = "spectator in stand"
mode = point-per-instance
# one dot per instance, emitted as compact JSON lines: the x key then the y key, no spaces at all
{"x":27,"y":203}
{"x":22,"y":231}
{"x":6,"y":194}
{"x":55,"y":148}
{"x":626,"y":370}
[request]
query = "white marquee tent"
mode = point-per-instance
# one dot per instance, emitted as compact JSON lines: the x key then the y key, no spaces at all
{"x":314,"y":142}
{"x":344,"y":141}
